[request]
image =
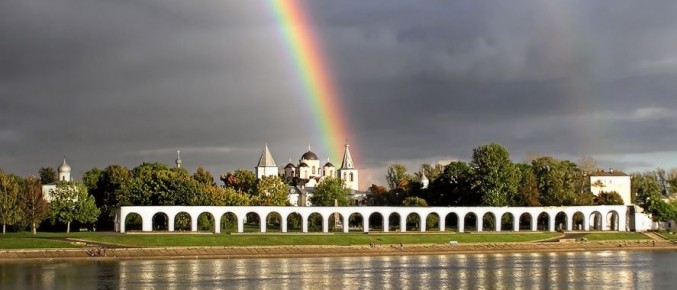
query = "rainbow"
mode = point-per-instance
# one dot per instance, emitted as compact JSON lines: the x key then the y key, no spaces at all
{"x":315,"y":77}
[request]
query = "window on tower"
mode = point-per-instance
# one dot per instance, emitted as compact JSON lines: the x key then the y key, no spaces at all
{"x":351,"y":176}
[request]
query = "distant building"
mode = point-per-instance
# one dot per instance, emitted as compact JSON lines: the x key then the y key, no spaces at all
{"x":611,"y":180}
{"x":64,"y":175}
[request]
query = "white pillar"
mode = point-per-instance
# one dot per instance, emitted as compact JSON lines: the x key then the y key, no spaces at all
{"x":423,"y":221}
{"x":262,"y":223}
{"x":603,"y":226}
{"x":193,"y":223}
{"x":170,"y":223}
{"x":386,"y":224}
{"x":346,"y":224}
{"x":480,"y":222}
{"x":240,"y":224}
{"x":146,"y":223}
{"x":325,"y":224}
{"x":515,"y":222}
{"x":283,"y":225}
{"x":442,"y":223}
{"x":461,"y":223}
{"x":534,"y":223}
{"x":570,"y":221}
{"x":586,"y":221}
{"x":365,"y":223}
{"x":498,"y":219}
{"x":304,"y":224}
{"x":551,"y":223}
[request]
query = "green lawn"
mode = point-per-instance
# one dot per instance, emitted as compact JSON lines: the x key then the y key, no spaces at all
{"x":615,"y":236}
{"x":33,"y":243}
{"x":26,"y":240}
{"x":668,"y":235}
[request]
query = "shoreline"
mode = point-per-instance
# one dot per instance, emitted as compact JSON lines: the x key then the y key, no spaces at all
{"x":268,"y":252}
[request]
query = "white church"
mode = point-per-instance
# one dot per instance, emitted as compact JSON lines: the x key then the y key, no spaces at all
{"x":64,"y":175}
{"x":304,"y":176}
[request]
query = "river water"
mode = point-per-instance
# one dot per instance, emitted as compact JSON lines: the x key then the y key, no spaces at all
{"x":576,"y":270}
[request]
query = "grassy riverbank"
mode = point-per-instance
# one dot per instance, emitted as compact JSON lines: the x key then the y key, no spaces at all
{"x":63,"y":240}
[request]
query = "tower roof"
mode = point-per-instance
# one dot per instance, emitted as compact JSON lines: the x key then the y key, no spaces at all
{"x":64,"y":168}
{"x":266,"y":159}
{"x":347,"y":159}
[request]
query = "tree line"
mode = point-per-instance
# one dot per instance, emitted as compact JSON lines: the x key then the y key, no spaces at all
{"x":492,"y":179}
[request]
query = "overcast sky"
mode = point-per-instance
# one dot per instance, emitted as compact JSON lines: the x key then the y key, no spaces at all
{"x":128,"y":81}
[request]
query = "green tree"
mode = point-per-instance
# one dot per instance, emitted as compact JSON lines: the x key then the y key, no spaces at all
{"x":203,"y":176}
{"x":330,"y":190}
{"x":241,"y":180}
{"x":397,"y":177}
{"x":91,"y":179}
{"x":495,"y":177}
{"x":527,"y":194}
{"x":608,"y":198}
{"x":380,"y":196}
{"x":271,"y":190}
{"x":71,"y":202}
{"x":34,"y":205}
{"x":10,"y":200}
{"x":47,"y":175}
{"x":219,"y":196}
{"x":556,"y":181}
{"x":453,"y":187}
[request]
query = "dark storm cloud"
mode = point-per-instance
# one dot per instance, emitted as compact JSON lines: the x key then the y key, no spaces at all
{"x":129,"y":81}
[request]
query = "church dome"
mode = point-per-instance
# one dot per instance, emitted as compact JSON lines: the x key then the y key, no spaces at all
{"x":303,"y":165}
{"x":309,"y":156}
{"x":328,"y":164}
{"x":290,"y":165}
{"x":64,"y":168}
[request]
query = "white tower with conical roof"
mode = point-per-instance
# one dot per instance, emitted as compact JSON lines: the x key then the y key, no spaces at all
{"x":178,"y":159}
{"x":64,"y":171}
{"x":266,"y":166}
{"x":347,"y":172}
{"x":424,"y":181}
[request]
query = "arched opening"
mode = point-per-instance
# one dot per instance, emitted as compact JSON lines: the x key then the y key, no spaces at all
{"x":561,"y":221}
{"x":525,"y":222}
{"x":376,"y":221}
{"x":595,"y":221}
{"x":228,"y":223}
{"x":252,"y":223}
{"x":470,"y":222}
{"x":205,"y":222}
{"x":314,"y":170}
{"x":413,"y":222}
{"x":315,"y":222}
{"x":356,"y":222}
{"x":182,"y":221}
{"x":294,"y":222}
{"x":432,"y":222}
{"x":394,"y":222}
{"x":507,"y":222}
{"x":273,"y":221}
{"x":336,"y":222}
{"x":543,"y":222}
{"x":352,"y":177}
{"x":488,"y":222}
{"x":612,"y":219}
{"x":133,"y":222}
{"x":577,"y":221}
{"x":160,"y":222}
{"x":451,"y":222}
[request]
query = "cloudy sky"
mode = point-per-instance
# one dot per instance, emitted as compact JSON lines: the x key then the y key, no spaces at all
{"x":128,"y":81}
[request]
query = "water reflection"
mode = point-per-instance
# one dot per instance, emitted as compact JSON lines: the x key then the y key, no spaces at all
{"x":599,"y":270}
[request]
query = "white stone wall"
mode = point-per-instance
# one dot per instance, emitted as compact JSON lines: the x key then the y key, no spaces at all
{"x":588,"y":213}
{"x":619,"y":184}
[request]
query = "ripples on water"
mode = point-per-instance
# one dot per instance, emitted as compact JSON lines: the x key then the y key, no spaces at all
{"x":590,"y":270}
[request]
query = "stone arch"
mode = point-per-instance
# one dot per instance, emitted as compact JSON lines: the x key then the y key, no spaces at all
{"x":376,"y":221}
{"x":395,"y":222}
{"x":356,"y":222}
{"x":160,"y":221}
{"x":543,"y":221}
{"x":133,"y":222}
{"x":578,"y":221}
{"x":252,"y":222}
{"x":525,"y":221}
{"x":451,"y":222}
{"x":315,"y":221}
{"x":432,"y":222}
{"x":561,"y":221}
{"x":595,"y":221}
{"x":335,"y":222}
{"x":413,"y":221}
{"x":228,"y":222}
{"x":508,"y":222}
{"x":205,"y":222}
{"x":489,"y":221}
{"x":182,"y":221}
{"x":294,"y":222}
{"x":273,"y":222}
{"x":470,"y":222}
{"x":612,"y":221}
